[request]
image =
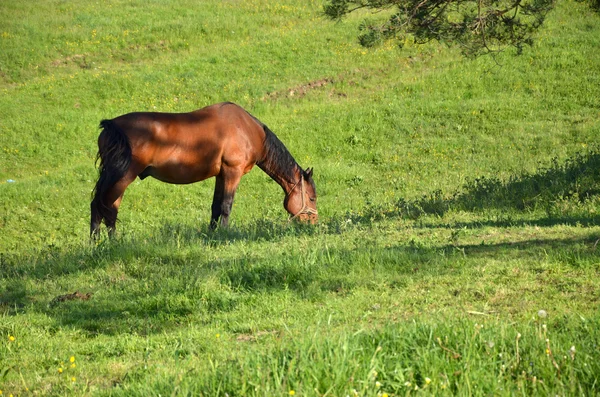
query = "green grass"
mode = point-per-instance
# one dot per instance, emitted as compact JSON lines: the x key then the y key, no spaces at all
{"x":457,"y":199}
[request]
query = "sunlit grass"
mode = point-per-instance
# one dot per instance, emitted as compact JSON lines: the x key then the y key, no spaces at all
{"x":457,"y":250}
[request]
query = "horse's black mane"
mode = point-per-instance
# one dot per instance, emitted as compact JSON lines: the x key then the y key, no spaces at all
{"x":278,"y":159}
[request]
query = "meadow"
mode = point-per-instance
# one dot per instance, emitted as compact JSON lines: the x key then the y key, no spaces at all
{"x":459,"y":200}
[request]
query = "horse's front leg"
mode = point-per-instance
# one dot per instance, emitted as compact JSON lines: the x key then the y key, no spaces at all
{"x":217,"y":201}
{"x":225,"y":188}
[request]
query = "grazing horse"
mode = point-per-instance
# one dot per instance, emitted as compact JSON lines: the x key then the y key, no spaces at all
{"x":221,"y":140}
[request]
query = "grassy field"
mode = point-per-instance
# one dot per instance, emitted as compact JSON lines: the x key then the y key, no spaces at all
{"x":457,"y":250}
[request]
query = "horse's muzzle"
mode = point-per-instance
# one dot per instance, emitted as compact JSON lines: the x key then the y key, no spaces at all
{"x":306,"y":217}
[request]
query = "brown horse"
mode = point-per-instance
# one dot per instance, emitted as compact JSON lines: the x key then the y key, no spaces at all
{"x":221,"y":140}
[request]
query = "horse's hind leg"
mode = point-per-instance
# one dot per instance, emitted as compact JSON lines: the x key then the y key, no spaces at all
{"x":113,"y":199}
{"x":95,"y":221}
{"x":111,"y":217}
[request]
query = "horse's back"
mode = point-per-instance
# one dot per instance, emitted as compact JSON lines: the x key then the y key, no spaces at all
{"x":189,"y":147}
{"x":214,"y":119}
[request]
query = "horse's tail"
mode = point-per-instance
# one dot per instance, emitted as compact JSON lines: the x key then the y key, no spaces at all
{"x":114,"y":153}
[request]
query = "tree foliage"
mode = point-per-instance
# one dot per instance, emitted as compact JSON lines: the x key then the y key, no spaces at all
{"x":477,"y":26}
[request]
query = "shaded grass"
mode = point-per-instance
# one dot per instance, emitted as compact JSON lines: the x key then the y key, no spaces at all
{"x":559,"y":190}
{"x":150,"y":287}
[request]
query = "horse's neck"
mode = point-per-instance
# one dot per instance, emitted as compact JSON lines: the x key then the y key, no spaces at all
{"x":284,"y":177}
{"x":278,"y":163}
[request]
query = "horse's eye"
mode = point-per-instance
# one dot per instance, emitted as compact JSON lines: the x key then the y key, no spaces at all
{"x":312,"y":199}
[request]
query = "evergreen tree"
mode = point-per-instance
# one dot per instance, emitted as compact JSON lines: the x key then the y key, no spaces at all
{"x":477,"y":26}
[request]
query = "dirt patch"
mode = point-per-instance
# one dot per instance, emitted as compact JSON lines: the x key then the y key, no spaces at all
{"x":77,"y":59}
{"x":255,"y":336}
{"x":350,"y":78}
{"x":299,"y":91}
{"x":71,"y":297}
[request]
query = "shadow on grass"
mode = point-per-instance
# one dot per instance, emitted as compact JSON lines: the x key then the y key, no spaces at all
{"x":576,"y":180}
{"x":581,"y":247}
{"x":260,"y":230}
{"x":14,"y":297}
{"x":149,"y":289}
{"x":54,"y":262}
{"x":153,"y":291}
{"x":143,"y":284}
{"x":549,"y":221}
{"x":147,"y":284}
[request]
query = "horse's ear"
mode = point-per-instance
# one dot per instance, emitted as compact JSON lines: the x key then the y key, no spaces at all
{"x":309,"y":172}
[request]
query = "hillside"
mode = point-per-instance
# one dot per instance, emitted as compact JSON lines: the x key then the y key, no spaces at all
{"x":457,"y":248}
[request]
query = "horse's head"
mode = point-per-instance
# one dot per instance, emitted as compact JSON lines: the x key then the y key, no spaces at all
{"x":301,"y":200}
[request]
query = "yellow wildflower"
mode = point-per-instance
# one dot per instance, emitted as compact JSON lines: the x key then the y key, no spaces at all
{"x":60,"y":370}
{"x":292,"y":393}
{"x":72,"y":359}
{"x":11,"y":338}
